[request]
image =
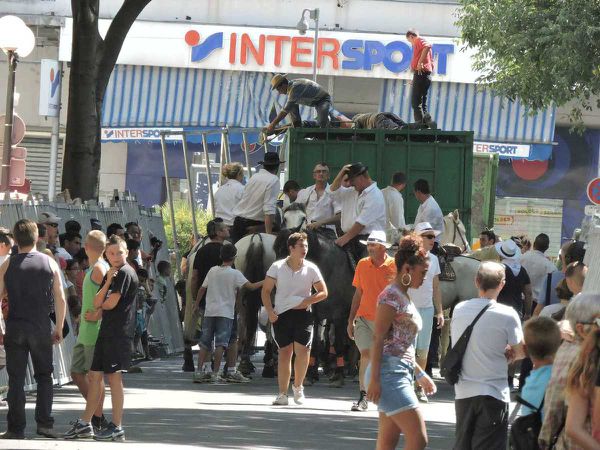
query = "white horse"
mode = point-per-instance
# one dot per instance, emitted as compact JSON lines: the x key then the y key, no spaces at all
{"x":455,"y":232}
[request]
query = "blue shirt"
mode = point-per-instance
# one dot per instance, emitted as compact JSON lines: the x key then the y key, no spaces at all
{"x":535,"y":388}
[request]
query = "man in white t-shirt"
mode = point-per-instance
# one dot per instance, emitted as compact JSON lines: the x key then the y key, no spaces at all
{"x":291,"y":318}
{"x":429,"y":210}
{"x":428,"y":300}
{"x":220,"y":285}
{"x":318,"y":201}
{"x":538,"y":266}
{"x":394,"y":207}
{"x":482,"y":392}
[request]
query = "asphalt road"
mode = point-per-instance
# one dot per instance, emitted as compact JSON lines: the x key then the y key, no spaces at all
{"x":164,"y":409}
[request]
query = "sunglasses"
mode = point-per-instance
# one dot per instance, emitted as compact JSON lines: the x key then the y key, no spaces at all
{"x":53,"y":225}
{"x":428,"y":236}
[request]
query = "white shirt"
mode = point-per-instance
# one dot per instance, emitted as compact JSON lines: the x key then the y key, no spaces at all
{"x":346,"y":199}
{"x":430,"y":211}
{"x":293,"y":287}
{"x":317,"y":208}
{"x":423,"y":297}
{"x":538,"y":267}
{"x":221,"y":283}
{"x":370,"y":209}
{"x":394,"y":212}
{"x":260,"y":197}
{"x":484,"y":366}
{"x":63,"y":254}
{"x":226,"y":198}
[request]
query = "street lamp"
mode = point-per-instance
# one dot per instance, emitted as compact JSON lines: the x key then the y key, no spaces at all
{"x":16,"y":40}
{"x":302,"y":27}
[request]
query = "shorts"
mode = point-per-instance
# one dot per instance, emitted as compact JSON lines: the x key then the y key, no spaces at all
{"x":217,"y":329}
{"x":112,"y":354}
{"x":140,"y":323}
{"x":363,"y":333}
{"x":294,"y":325}
{"x":234,"y":330}
{"x":83,"y":356}
{"x":424,"y":336}
{"x":397,"y":390}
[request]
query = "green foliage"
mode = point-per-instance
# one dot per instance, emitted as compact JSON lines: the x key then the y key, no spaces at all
{"x":183,"y":223}
{"x":543,"y":52}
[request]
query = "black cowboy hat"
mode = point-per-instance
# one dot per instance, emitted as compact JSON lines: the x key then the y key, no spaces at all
{"x":271,"y":159}
{"x":355,"y":170}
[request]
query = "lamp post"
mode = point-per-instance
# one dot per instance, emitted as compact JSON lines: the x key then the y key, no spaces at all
{"x":302,"y":27}
{"x":16,"y":40}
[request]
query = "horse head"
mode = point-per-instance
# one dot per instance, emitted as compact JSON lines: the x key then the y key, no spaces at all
{"x":294,"y":217}
{"x":455,"y":231}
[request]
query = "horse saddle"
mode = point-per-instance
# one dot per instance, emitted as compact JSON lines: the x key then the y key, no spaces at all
{"x":450,"y":251}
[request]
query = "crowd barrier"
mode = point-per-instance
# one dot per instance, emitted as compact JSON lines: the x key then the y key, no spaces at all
{"x":164,"y":323}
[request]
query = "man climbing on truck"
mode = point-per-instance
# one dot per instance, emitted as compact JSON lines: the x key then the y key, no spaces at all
{"x":300,"y":92}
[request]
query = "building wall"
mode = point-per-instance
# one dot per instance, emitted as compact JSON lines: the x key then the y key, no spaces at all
{"x":113,"y":170}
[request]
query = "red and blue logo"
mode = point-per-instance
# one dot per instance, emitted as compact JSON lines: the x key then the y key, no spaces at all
{"x":54,"y":82}
{"x":202,"y":50}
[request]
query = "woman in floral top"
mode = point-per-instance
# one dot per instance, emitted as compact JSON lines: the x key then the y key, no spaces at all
{"x":393,"y":364}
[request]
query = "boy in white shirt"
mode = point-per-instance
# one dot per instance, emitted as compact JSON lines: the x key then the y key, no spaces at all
{"x":221,"y":285}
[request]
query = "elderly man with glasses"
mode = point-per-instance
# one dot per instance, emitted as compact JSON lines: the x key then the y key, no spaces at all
{"x":427,"y":299}
{"x":50,"y":221}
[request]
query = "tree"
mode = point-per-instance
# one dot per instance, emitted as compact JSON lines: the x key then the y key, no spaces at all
{"x":543,"y":52}
{"x":92,"y":61}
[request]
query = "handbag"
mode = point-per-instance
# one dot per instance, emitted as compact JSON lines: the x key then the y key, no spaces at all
{"x":452,"y":365}
{"x":526,"y":429}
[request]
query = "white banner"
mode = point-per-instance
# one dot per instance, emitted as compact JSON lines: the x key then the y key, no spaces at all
{"x":504,"y":150}
{"x":50,"y":79}
{"x":279,"y":50}
{"x":138,"y":134}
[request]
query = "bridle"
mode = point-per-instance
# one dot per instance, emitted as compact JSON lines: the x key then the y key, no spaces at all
{"x":457,"y":231}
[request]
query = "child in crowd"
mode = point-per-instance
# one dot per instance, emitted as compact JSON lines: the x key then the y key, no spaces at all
{"x":143,"y":299}
{"x":133,"y":254}
{"x":164,"y":274}
{"x":220,"y":285}
{"x":112,"y":353}
{"x":575,"y":276}
{"x":542,"y":339}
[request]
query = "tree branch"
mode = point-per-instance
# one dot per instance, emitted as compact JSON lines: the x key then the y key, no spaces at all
{"x":113,"y":41}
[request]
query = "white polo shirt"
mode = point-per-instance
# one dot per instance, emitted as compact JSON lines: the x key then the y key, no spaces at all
{"x":293,"y":287}
{"x":346,"y":199}
{"x":260,"y":197}
{"x":394,"y":211}
{"x":423,"y":296}
{"x":317,"y":208}
{"x":430,"y":211}
{"x":226,"y":198}
{"x":370,"y":209}
{"x":538,"y":267}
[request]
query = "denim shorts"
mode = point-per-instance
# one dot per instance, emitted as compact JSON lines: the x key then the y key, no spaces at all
{"x":397,"y":390}
{"x":424,"y":336}
{"x":217,"y":329}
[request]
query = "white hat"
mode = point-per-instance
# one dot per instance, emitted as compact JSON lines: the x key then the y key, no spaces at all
{"x":508,"y":249}
{"x":377,"y":237}
{"x":425,"y":227}
{"x":48,"y":217}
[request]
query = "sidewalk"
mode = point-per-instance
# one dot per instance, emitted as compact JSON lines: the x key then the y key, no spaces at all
{"x":164,"y":409}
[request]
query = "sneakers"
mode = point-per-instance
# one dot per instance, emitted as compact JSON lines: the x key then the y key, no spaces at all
{"x":99,"y":423}
{"x":215,"y":378}
{"x":362,"y":404}
{"x":111,"y":433}
{"x":421,"y":395}
{"x":281,"y":400}
{"x":47,"y":432}
{"x":236,"y":377}
{"x":298,"y":394}
{"x":202,"y":377}
{"x":79,"y":430}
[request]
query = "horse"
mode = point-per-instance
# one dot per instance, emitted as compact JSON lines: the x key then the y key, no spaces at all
{"x":455,"y":232}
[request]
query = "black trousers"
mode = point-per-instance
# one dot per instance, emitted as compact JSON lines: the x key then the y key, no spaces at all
{"x":481,"y":423}
{"x":420,"y":89}
{"x":240,"y":227}
{"x":322,"y":108}
{"x":357,"y":250}
{"x":21,"y":341}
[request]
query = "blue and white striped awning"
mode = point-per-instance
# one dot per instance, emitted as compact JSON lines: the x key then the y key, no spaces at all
{"x":468,"y":107}
{"x":143,"y":96}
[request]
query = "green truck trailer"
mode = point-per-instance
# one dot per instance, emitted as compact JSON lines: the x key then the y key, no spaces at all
{"x":459,"y":180}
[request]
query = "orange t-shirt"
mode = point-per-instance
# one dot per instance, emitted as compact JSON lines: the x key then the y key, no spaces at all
{"x":372,"y":280}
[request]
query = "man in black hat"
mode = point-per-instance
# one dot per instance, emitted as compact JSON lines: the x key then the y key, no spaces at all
{"x":258,"y":205}
{"x":300,"y":92}
{"x":370,"y":208}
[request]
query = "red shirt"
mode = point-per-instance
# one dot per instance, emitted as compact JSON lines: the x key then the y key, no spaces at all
{"x":418,"y":45}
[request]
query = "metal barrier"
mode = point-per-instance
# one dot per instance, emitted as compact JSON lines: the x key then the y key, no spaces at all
{"x":164,"y":323}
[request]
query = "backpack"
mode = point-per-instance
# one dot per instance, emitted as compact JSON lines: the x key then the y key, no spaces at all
{"x":526,"y":429}
{"x":452,"y":365}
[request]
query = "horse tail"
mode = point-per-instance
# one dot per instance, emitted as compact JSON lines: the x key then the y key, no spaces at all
{"x":255,"y":263}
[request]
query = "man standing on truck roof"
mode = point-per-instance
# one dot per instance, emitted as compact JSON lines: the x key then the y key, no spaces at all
{"x":300,"y":92}
{"x":422,"y":67}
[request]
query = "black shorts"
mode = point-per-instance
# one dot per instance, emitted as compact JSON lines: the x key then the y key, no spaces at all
{"x":295,"y":325}
{"x":112,"y":354}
